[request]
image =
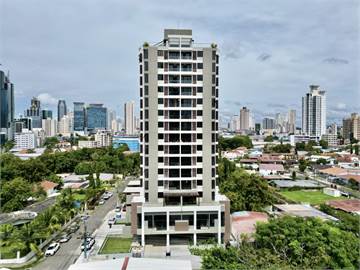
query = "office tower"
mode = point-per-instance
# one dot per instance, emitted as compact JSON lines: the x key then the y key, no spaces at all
{"x":129,"y":118}
{"x":34,"y":112}
{"x":351,"y":127}
{"x":22,"y":123}
{"x":45,"y":114}
{"x":115,"y":125}
{"x":179,"y":143}
{"x":292,"y":121}
{"x":111,"y":115}
{"x":7,"y":108}
{"x":268,"y":123}
{"x":314,"y":112}
{"x":96,"y":117}
{"x":61,"y":109}
{"x":64,"y":125}
{"x":235,"y":123}
{"x":50,"y":127}
{"x":244,"y":118}
{"x":79,"y":116}
{"x":257,"y":128}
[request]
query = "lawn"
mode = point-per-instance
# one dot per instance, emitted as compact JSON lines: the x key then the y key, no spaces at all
{"x":312,"y":197}
{"x":114,"y":245}
{"x":79,"y":197}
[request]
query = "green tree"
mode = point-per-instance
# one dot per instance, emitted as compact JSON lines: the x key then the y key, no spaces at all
{"x":324,"y":144}
{"x":269,"y":138}
{"x":8,"y":145}
{"x":322,"y":161}
{"x":84,"y":167}
{"x":50,"y":142}
{"x":302,"y":165}
{"x":234,"y":142}
{"x":246,"y":191}
{"x":14,"y":194}
{"x":293,"y":175}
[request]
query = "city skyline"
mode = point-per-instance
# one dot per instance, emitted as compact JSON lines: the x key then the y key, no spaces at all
{"x":264,"y":44}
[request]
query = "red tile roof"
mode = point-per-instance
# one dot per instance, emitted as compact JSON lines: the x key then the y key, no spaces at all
{"x":47,"y":185}
{"x":350,"y":206}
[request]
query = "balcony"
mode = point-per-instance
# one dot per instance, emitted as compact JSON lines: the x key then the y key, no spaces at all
{"x":174,"y":55}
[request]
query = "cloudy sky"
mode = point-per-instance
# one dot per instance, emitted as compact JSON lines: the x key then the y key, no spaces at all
{"x":271,"y":51}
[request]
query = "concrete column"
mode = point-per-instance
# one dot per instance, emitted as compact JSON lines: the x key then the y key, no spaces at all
{"x":219,"y":225}
{"x":167,"y":229}
{"x":142,"y":228}
{"x":195,"y":224}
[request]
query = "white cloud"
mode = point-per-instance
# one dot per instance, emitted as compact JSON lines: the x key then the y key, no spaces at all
{"x":47,"y":99}
{"x":340,"y":105}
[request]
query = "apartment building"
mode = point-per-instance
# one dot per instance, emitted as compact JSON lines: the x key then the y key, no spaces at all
{"x":179,"y":143}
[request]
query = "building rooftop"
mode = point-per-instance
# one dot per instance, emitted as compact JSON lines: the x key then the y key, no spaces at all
{"x":350,"y":206}
{"x":48,"y":185}
{"x":245,"y":221}
{"x":296,"y":183}
{"x":272,"y":167}
{"x":129,"y":263}
{"x":302,"y":210}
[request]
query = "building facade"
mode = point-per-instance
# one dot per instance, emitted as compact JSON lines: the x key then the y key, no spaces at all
{"x":61,"y":109}
{"x":96,"y":117}
{"x":79,"y":116}
{"x":129,"y":118}
{"x":292,"y":121}
{"x":7,"y":108}
{"x":268,"y":123}
{"x":103,"y":138}
{"x":132,"y":142}
{"x":179,"y":138}
{"x":351,"y":127}
{"x":34,"y":112}
{"x":314,"y":112}
{"x":50,"y":127}
{"x":244,"y":118}
{"x":25,"y":140}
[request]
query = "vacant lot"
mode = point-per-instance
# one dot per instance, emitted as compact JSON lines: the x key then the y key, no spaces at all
{"x":113,"y":245}
{"x":305,"y":196}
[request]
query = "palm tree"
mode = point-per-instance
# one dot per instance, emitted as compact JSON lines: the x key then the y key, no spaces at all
{"x":6,"y":231}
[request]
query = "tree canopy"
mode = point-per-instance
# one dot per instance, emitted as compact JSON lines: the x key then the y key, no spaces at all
{"x":234,"y":142}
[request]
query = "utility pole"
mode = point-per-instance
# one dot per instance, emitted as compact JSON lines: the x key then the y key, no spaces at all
{"x":85,"y":240}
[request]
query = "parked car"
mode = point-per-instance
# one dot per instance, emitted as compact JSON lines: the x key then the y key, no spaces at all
{"x":52,"y":249}
{"x":73,"y":228}
{"x":64,"y":238}
{"x":101,"y":202}
{"x":118,"y":209}
{"x":85,"y":217}
{"x":111,"y":221}
{"x":89,"y":243}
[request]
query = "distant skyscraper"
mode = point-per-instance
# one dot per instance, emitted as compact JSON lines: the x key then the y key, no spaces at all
{"x":61,"y":109}
{"x":50,"y":127}
{"x":111,"y":115}
{"x":268,"y":123}
{"x":351,"y":127}
{"x":96,"y":117}
{"x":46,"y":114}
{"x":235,"y":123}
{"x":314,"y":112}
{"x":79,"y":116}
{"x":244,"y":118}
{"x":34,"y":112}
{"x":7,"y":108}
{"x":64,"y":125}
{"x":129,"y":117}
{"x":292,"y":121}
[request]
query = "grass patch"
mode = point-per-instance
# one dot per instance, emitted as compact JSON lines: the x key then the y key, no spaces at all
{"x":308,"y":196}
{"x":113,"y":245}
{"x":79,"y":197}
{"x":7,"y":252}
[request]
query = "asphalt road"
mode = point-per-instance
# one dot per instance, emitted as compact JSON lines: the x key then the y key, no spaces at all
{"x":41,"y":206}
{"x":70,"y":251}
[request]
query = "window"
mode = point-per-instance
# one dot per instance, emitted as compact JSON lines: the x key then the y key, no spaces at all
{"x":160,"y":112}
{"x":160,"y":171}
{"x":146,"y":65}
{"x":199,"y":53}
{"x":199,"y":124}
{"x":198,"y":159}
{"x":160,"y":100}
{"x":199,"y":89}
{"x":199,"y":101}
{"x":160,"y":136}
{"x":146,"y":78}
{"x":160,"y":124}
{"x":160,"y":77}
{"x":160,"y":89}
{"x":160,"y":65}
{"x":199,"y":147}
{"x":160,"y":53}
{"x":146,"y":90}
{"x":199,"y":113}
{"x":199,"y":77}
{"x":146,"y":54}
{"x":186,"y":91}
{"x":160,"y":148}
{"x":199,"y":136}
{"x":199,"y":65}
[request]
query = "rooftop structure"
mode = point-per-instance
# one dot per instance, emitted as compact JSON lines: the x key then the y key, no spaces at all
{"x":301,"y":210}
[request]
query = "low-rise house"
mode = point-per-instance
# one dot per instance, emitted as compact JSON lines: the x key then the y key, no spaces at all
{"x":49,"y":187}
{"x":350,"y":206}
{"x":235,"y":154}
{"x":271,"y":169}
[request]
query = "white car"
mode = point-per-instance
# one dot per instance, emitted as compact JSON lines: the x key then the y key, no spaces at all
{"x":52,"y":249}
{"x":64,"y":238}
{"x":89,"y":243}
{"x":101,"y":202}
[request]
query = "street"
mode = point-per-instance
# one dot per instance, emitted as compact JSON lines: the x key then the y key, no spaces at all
{"x":70,"y":251}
